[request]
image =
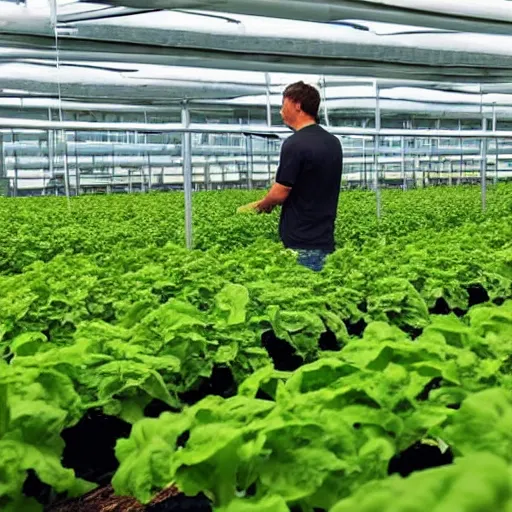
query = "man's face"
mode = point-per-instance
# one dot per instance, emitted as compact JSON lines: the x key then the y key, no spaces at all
{"x":289,"y":111}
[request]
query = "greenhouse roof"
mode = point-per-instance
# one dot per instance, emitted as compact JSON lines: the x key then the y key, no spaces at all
{"x":159,"y":52}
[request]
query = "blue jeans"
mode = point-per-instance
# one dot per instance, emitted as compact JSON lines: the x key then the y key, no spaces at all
{"x":312,"y":258}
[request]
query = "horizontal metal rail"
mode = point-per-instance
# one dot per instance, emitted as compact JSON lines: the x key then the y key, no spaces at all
{"x":242,"y":129}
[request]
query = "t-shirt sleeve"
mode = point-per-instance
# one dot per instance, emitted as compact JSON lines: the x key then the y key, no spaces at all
{"x":289,"y":165}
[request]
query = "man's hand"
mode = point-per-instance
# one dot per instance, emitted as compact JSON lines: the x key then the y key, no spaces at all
{"x":249,"y":208}
{"x":276,"y":196}
{"x":255,"y":207}
{"x":264,"y":209}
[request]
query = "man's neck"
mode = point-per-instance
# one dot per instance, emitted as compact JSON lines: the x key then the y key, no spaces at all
{"x":303,"y":124}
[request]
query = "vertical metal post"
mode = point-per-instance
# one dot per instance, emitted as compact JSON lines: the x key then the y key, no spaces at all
{"x":269,"y":166}
{"x":77,"y":168}
{"x":150,"y":172}
{"x":483,"y":165}
{"x":51,"y":139}
{"x":186,"y":153}
{"x":438,"y":158}
{"x":2,"y":158}
{"x":207,"y":178}
{"x":223,"y":174}
{"x":66,"y":166}
{"x":142,"y":174}
{"x":365,"y":174}
{"x":402,"y":153}
{"x":429,"y":168}
{"x":415,"y":155}
{"x":113,"y":171}
{"x":269,"y":106}
{"x":450,"y":183}
{"x":376,"y":149}
{"x":324,"y":101}
{"x":15,"y":187}
{"x":496,"y":149}
{"x":249,"y":159}
{"x":461,"y":161}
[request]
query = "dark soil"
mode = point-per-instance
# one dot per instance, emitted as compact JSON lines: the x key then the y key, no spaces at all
{"x":435,"y":383}
{"x":477,"y":295}
{"x":417,"y":457}
{"x":99,"y":500}
{"x":221,"y":383}
{"x":328,"y":341}
{"x":283,"y":355}
{"x":356,"y":329}
{"x":90,"y":446}
{"x":441,"y":307}
{"x":104,"y":500}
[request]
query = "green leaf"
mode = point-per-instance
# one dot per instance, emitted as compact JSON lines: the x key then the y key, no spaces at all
{"x":265,"y":504}
{"x":483,"y":424}
{"x":28,"y":343}
{"x":231,"y":303}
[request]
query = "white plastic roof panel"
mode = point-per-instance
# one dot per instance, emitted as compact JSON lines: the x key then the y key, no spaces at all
{"x":121,"y":54}
{"x":492,"y":16}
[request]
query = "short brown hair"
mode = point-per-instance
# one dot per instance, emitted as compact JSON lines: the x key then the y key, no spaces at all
{"x":307,"y":95}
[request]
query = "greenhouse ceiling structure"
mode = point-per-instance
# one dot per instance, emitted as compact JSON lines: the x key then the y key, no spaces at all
{"x":159,"y":70}
{"x":165,"y":50}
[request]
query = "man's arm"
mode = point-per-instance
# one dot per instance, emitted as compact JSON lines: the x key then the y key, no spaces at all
{"x":276,"y":195}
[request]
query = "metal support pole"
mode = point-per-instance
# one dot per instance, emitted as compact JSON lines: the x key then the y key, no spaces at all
{"x":269,"y":106}
{"x":186,"y":154}
{"x":416,"y":158}
{"x":51,"y":141}
{"x":250,"y":170}
{"x":438,"y":158}
{"x":365,"y":174}
{"x":150,"y":173}
{"x":66,"y":166}
{"x":376,"y":150}
{"x":15,"y":187}
{"x":402,"y":152}
{"x":249,"y":159}
{"x":324,"y":101}
{"x":113,"y":171}
{"x":269,"y":165}
{"x":461,"y":161}
{"x":77,"y":169}
{"x":142,"y":174}
{"x":496,"y":144}
{"x":362,"y":168}
{"x":429,"y":168}
{"x":207,"y":178}
{"x":483,"y":166}
{"x":2,"y":157}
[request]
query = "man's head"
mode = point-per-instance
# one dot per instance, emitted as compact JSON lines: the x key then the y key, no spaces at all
{"x":300,"y":105}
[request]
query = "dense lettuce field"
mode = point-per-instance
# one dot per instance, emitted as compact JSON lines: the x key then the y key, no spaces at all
{"x":245,"y":380}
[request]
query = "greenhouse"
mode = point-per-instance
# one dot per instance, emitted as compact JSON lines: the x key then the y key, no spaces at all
{"x":163,"y":349}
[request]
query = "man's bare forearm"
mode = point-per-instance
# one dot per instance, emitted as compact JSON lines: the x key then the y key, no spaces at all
{"x":276,"y":196}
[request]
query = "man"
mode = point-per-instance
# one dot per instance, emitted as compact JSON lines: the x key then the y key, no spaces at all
{"x":308,"y":179}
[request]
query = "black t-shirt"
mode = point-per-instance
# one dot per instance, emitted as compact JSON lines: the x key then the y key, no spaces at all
{"x":311,"y":163}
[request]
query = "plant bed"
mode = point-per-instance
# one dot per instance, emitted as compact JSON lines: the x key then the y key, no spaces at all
{"x":104,"y":500}
{"x":283,"y":355}
{"x":417,"y":457}
{"x":220,"y":383}
{"x":101,"y":432}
